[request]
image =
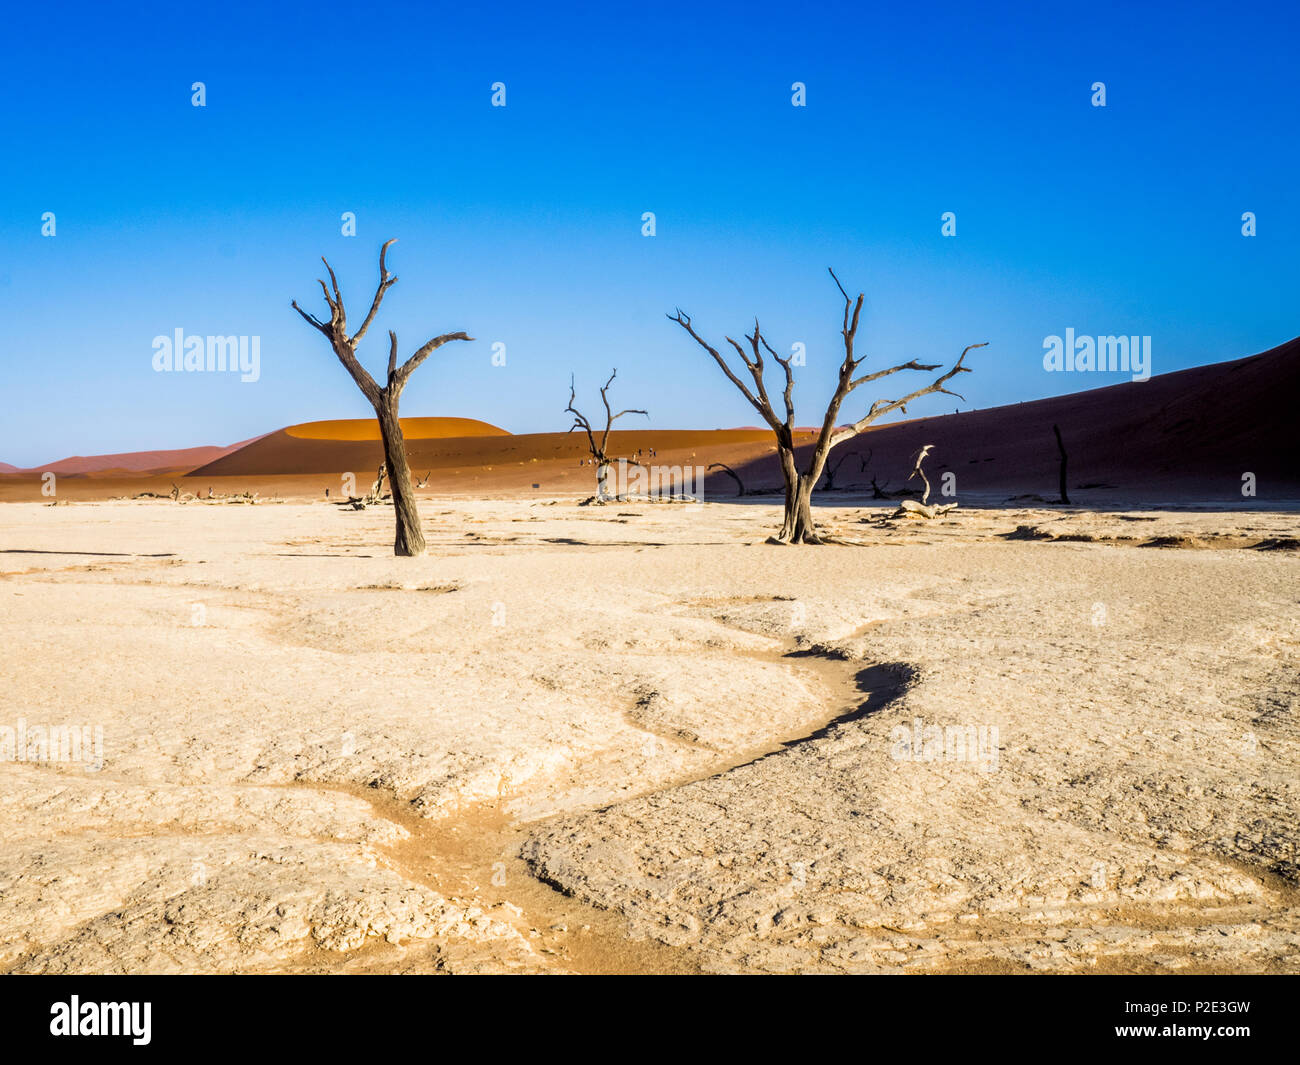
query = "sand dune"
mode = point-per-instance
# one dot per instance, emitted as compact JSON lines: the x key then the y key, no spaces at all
{"x":354,"y":429}
{"x":355,"y":445}
{"x":133,"y":462}
{"x":1189,"y":434}
{"x":1186,"y":437}
{"x":282,"y":462}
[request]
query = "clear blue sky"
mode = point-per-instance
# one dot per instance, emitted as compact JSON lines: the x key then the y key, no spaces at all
{"x":523,"y":224}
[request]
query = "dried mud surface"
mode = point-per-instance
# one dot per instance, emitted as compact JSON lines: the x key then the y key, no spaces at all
{"x":637,"y":738}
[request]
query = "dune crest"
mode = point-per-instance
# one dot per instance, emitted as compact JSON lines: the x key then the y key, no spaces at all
{"x":360,"y":429}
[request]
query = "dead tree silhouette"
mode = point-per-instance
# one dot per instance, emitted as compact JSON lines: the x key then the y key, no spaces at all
{"x":1065,"y":496}
{"x":833,"y":468}
{"x":409,"y":539}
{"x":740,"y":485}
{"x":797,"y":524}
{"x":599,"y":452}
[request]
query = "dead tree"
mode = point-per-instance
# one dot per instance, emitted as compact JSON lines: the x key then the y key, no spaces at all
{"x":917,"y":471}
{"x":1065,"y":496}
{"x":599,"y":453}
{"x":377,"y":489}
{"x":877,"y":490}
{"x":797,"y":525}
{"x":740,"y":485}
{"x":832,"y":468}
{"x":909,"y":508}
{"x":410,"y":537}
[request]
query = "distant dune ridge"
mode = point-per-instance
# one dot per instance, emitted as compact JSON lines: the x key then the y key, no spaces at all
{"x":355,"y":446}
{"x":1189,"y":434}
{"x":353,"y":429}
{"x":173,"y":461}
{"x":1193,"y":432}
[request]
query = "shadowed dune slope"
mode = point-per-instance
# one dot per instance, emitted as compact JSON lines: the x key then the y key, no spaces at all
{"x":355,"y":445}
{"x":1191,"y":434}
{"x":186,"y":458}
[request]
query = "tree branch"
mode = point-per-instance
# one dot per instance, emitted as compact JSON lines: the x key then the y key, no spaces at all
{"x":386,"y":281}
{"x":910,"y":365}
{"x":338,"y":316}
{"x":414,"y":361}
{"x":785,"y":365}
{"x":598,"y":451}
{"x":882,"y":407}
{"x":766,"y":412}
{"x":580,"y":420}
{"x":310,"y":319}
{"x":360,"y":375}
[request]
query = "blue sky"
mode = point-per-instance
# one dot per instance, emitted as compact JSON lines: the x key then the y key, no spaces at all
{"x":522,"y":225}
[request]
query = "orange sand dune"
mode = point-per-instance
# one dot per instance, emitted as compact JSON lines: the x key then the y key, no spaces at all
{"x":356,"y":449}
{"x":412,"y":428}
{"x":1190,"y":434}
{"x":1185,"y":436}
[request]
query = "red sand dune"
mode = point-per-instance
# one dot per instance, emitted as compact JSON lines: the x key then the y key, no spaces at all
{"x":491,"y":461}
{"x":1185,"y":436}
{"x":1189,"y":434}
{"x":134,"y":462}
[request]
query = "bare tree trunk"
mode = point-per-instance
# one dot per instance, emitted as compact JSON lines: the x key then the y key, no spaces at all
{"x":599,"y":451}
{"x":917,"y":471}
{"x":797,"y":526}
{"x":409,"y":539}
{"x":740,"y":485}
{"x":1065,"y":496}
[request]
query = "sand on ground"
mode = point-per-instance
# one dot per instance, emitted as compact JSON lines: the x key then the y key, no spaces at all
{"x":638,"y":738}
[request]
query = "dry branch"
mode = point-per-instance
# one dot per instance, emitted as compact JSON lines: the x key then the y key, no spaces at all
{"x":384,"y":399}
{"x":798,"y":525}
{"x":599,"y":451}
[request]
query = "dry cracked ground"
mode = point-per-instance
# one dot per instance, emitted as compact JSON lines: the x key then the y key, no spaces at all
{"x":638,"y":738}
